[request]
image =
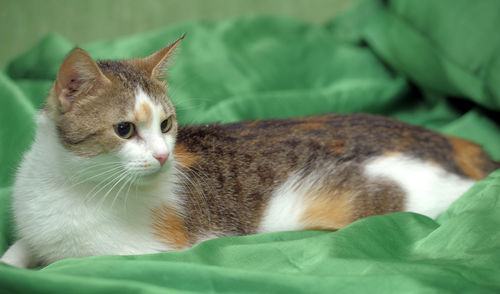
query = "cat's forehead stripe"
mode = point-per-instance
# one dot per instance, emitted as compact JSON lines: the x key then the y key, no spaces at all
{"x":143,"y":111}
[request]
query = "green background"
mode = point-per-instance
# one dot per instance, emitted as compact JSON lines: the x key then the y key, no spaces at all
{"x":25,"y":22}
{"x":427,"y":62}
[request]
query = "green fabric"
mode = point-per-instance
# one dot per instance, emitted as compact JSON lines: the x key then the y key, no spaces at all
{"x":405,"y":59}
{"x":456,"y":52}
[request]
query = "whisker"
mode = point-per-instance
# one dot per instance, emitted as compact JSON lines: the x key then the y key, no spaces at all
{"x":81,"y":173}
{"x":199,"y":191}
{"x":95,"y":176}
{"x":113,"y":175}
{"x":98,"y":165}
{"x":128,"y":190}
{"x":116,"y":181}
{"x":201,"y":176}
{"x":198,"y":172}
{"x":117,"y":195}
{"x":173,"y":88}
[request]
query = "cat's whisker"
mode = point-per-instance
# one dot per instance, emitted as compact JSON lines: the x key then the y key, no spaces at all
{"x":173,"y":88}
{"x":136,"y":189}
{"x":185,"y":108}
{"x":131,"y":182}
{"x":199,"y":191}
{"x":89,"y":179}
{"x":114,"y":182}
{"x":202,"y":178}
{"x":91,"y":166}
{"x":106,"y":182}
{"x":117,"y":194}
{"x":180,"y":103}
{"x":183,"y":104}
{"x":198,"y":172}
{"x":184,"y":180}
{"x":81,"y":173}
{"x":184,"y":100}
{"x":95,"y":173}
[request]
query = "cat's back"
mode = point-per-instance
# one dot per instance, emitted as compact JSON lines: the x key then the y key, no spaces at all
{"x":356,"y":137}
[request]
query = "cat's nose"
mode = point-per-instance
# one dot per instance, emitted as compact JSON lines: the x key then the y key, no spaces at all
{"x":162,"y":158}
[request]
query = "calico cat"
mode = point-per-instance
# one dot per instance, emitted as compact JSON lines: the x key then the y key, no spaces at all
{"x":112,"y":172}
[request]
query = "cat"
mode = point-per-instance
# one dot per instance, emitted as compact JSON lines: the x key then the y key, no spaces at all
{"x":111,"y":171}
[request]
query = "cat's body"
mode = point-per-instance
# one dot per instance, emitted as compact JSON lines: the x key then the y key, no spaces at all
{"x":100,"y":186}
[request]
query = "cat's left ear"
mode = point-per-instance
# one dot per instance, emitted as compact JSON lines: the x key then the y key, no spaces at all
{"x":76,"y":77}
{"x":156,"y":63}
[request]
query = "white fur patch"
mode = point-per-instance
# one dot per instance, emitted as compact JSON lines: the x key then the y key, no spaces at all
{"x":429,"y":188}
{"x":285,"y":207}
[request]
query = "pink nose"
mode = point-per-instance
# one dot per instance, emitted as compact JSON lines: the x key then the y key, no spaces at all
{"x":162,"y":158}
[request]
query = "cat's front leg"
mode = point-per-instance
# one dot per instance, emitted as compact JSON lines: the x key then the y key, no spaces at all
{"x":18,"y":255}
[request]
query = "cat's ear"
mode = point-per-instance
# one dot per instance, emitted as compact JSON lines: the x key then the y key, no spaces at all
{"x":156,"y":63}
{"x":78,"y":74}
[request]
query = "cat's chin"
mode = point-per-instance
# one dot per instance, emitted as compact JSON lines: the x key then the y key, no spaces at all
{"x":147,"y":179}
{"x":151,"y":177}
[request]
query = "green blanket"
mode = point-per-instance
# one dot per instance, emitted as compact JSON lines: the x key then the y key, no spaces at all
{"x":431,"y":63}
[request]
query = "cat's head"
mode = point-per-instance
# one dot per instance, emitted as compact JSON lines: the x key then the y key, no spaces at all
{"x":115,"y":112}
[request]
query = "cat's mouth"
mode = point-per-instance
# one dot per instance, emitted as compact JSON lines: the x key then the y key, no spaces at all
{"x":150,"y":174}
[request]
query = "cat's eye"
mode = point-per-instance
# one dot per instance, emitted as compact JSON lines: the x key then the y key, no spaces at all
{"x":166,"y":125}
{"x":125,"y":130}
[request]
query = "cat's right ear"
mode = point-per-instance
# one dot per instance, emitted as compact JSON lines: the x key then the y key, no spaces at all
{"x":78,"y":74}
{"x":155,"y":64}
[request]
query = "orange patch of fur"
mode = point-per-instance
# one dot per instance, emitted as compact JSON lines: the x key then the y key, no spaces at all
{"x":143,"y":113}
{"x":184,"y":157}
{"x":170,"y":227}
{"x":338,"y":146}
{"x":311,"y":125}
{"x":469,"y":157}
{"x":391,"y":153}
{"x":246,"y":131}
{"x":254,"y":123}
{"x":327,"y":211}
{"x":316,"y":118}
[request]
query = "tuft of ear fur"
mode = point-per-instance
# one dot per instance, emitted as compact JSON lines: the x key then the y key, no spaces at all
{"x":156,"y":63}
{"x":78,"y":74}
